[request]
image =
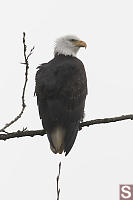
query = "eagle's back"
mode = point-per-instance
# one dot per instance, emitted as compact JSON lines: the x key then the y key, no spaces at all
{"x":61,"y":89}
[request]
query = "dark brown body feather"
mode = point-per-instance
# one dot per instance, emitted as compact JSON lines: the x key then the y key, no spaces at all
{"x":61,"y":89}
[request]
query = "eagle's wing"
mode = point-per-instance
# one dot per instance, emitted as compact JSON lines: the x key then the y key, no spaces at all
{"x":49,"y":81}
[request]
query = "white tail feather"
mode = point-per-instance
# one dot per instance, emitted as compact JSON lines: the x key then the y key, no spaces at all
{"x":57,"y":137}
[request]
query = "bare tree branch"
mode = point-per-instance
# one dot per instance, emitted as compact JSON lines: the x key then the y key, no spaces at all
{"x":106,"y":120}
{"x":22,"y":133}
{"x":57,"y":181}
{"x":32,"y":133}
{"x":26,"y":63}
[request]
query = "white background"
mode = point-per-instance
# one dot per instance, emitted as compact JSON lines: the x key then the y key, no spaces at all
{"x":101,"y":158}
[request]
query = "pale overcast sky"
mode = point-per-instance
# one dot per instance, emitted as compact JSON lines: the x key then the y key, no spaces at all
{"x":101,"y":157}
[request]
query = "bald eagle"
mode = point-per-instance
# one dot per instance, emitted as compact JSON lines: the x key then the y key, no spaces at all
{"x":61,"y":89}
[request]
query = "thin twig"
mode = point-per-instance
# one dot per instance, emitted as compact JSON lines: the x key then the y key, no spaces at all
{"x":24,"y":88}
{"x":57,"y":181}
{"x":32,"y":133}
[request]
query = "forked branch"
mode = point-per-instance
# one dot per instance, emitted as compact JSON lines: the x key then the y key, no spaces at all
{"x":26,"y":63}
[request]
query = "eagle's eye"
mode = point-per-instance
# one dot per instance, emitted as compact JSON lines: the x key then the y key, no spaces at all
{"x":72,"y":40}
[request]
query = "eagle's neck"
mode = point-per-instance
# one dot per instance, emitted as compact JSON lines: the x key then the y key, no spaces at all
{"x":65,"y":51}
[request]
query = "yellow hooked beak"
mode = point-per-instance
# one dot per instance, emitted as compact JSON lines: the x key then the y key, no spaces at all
{"x":80,"y":43}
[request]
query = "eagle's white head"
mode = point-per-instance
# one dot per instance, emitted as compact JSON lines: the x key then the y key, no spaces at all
{"x":68,"y":45}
